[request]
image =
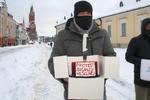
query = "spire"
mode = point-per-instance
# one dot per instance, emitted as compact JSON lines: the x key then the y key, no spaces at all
{"x":31,"y":9}
{"x":23,"y":20}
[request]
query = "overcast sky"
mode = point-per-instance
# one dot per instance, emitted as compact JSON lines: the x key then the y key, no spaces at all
{"x":47,"y":12}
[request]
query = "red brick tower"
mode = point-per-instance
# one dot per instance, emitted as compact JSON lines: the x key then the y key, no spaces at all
{"x":32,"y":26}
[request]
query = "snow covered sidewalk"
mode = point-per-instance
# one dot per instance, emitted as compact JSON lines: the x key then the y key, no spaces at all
{"x":24,"y":75}
{"x":45,"y":86}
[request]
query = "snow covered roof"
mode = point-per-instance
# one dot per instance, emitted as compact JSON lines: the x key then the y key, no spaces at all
{"x":116,"y":9}
{"x":16,"y":20}
{"x":127,"y":6}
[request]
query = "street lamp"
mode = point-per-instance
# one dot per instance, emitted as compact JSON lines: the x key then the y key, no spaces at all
{"x":6,"y":40}
{"x":8,"y":34}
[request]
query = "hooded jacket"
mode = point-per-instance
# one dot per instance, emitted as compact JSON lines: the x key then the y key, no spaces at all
{"x":138,"y":49}
{"x":69,"y":42}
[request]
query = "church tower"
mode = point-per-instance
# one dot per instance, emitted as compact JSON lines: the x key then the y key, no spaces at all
{"x":32,"y":26}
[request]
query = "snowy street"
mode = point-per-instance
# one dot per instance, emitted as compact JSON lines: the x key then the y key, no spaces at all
{"x":24,"y":75}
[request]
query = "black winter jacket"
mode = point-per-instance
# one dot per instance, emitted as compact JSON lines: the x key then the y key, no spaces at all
{"x":139,"y":48}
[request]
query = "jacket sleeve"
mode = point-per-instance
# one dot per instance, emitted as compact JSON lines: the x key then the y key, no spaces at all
{"x":58,"y":50}
{"x":130,"y":55}
{"x":107,"y":47}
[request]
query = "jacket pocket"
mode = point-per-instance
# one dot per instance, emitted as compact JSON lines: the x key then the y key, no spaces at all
{"x":73,"y":47}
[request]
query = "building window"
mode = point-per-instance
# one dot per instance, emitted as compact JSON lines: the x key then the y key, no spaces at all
{"x":108,"y":27}
{"x":141,"y":18}
{"x":109,"y":30}
{"x":123,"y":27}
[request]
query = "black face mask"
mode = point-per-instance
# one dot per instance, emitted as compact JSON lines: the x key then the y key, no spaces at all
{"x":84,"y":22}
{"x":147,"y":33}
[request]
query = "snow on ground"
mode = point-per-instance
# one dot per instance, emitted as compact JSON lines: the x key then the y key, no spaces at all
{"x":24,"y":75}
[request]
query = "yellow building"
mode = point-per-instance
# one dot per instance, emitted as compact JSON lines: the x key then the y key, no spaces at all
{"x":122,"y":21}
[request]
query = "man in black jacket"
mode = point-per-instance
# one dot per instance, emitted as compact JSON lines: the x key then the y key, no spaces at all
{"x":69,"y":41}
{"x":138,"y":49}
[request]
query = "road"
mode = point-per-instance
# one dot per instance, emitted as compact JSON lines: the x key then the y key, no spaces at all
{"x":6,"y":51}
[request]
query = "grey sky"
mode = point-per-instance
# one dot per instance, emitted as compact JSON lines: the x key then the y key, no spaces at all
{"x":47,"y":12}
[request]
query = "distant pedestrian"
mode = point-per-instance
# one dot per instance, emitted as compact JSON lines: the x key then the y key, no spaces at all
{"x":51,"y":44}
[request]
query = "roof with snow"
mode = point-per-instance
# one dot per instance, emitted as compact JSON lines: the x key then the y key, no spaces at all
{"x":128,"y":5}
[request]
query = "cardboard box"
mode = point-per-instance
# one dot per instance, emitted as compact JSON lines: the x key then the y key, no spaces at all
{"x":86,"y":88}
{"x":145,"y":70}
{"x":61,"y":66}
{"x":111,"y":67}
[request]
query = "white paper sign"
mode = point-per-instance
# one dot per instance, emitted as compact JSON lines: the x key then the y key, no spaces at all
{"x":85,"y":69}
{"x":145,"y":70}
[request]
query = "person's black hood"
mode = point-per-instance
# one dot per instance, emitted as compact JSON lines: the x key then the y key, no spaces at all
{"x":145,"y":22}
{"x":68,"y":22}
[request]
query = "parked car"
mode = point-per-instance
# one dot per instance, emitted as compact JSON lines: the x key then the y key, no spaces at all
{"x":31,"y":42}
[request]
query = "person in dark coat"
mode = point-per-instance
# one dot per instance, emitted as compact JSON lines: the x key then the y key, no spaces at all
{"x":51,"y":44}
{"x":138,"y":49}
{"x":69,"y":40}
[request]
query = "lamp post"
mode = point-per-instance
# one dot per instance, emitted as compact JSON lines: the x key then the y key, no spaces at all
{"x":6,"y":40}
{"x":8,"y":35}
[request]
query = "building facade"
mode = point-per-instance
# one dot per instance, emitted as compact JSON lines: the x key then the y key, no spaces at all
{"x":22,"y":37}
{"x":7,"y":26}
{"x":122,"y":21}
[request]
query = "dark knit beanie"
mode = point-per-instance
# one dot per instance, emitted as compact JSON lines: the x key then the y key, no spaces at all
{"x":82,"y":6}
